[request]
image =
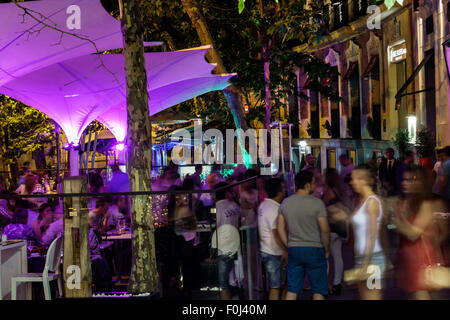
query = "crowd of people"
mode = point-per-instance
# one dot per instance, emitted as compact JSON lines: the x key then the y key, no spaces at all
{"x":39,"y":220}
{"x":388,"y":211}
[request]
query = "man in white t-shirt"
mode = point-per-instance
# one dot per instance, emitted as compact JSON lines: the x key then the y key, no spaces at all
{"x":273,"y":251}
{"x":228,"y":213}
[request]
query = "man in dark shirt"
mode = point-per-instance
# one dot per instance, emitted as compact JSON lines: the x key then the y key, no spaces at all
{"x":388,"y":173}
{"x":196,"y":176}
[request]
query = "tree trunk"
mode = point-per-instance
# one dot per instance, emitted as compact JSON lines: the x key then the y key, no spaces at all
{"x":267,"y":86}
{"x":144,"y":276}
{"x":231,"y":93}
{"x":76,"y":240}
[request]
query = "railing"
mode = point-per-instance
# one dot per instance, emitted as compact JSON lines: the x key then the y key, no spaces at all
{"x":174,"y":232}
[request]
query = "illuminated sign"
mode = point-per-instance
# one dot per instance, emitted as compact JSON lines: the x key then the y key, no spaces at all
{"x":398,"y":53}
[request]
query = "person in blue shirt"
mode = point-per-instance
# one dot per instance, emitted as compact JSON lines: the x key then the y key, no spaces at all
{"x":18,"y":229}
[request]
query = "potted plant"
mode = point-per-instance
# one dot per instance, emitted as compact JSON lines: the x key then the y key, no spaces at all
{"x":425,"y":145}
{"x":402,"y":142}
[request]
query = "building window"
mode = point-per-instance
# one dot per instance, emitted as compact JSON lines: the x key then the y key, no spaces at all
{"x":331,"y":158}
{"x":351,"y":155}
{"x":448,"y":11}
{"x":335,"y":114}
{"x":340,"y":12}
{"x":359,"y":8}
{"x":314,"y":129}
{"x":316,"y":154}
{"x":429,"y":25}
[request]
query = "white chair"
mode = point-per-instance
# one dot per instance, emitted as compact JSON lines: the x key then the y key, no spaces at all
{"x":51,"y":272}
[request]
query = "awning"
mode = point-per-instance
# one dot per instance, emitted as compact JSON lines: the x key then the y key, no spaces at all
{"x":350,"y":70}
{"x":401,"y":93}
{"x":373,"y":62}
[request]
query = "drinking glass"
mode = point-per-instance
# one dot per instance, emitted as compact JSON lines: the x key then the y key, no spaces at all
{"x":120,"y":226}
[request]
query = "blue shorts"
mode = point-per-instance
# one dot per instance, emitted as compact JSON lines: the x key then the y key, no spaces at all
{"x":225,"y":264}
{"x":309,"y":260}
{"x":274,"y":270}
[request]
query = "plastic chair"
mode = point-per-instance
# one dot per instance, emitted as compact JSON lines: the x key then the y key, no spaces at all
{"x":51,"y":272}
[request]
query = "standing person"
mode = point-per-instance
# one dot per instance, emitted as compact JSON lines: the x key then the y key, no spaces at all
{"x":249,"y":201}
{"x":334,"y":196}
{"x":419,"y":237}
{"x":95,"y":185}
{"x":119,"y":181}
{"x":388,"y":173}
{"x":227,"y":212}
{"x":26,"y":170}
{"x":166,"y":180}
{"x":405,"y":165}
{"x":445,"y":181}
{"x":441,"y":156}
{"x":310,"y":162}
{"x":319,"y":184}
{"x":182,"y":218}
{"x":272,"y":250}
{"x":347,"y":168}
{"x":366,"y":221}
{"x":303,"y":228}
{"x":197,"y":176}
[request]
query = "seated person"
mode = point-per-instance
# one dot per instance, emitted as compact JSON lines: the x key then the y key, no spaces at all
{"x":18,"y":229}
{"x":54,"y":230}
{"x":29,"y":206}
{"x":118,"y":210}
{"x":101,"y":273}
{"x":98,"y":218}
{"x":43,"y":221}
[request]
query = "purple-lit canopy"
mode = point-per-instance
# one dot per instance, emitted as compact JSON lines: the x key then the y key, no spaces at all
{"x":27,"y":45}
{"x":164,"y":97}
{"x":77,"y":91}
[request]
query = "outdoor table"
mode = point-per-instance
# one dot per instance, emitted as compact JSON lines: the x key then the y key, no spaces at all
{"x":13,"y":261}
{"x":118,"y":240}
{"x":115,"y":236}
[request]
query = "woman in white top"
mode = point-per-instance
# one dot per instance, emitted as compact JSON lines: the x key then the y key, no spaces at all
{"x":366,"y":221}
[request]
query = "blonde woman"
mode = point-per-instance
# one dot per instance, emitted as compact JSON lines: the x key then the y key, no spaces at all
{"x":366,"y":221}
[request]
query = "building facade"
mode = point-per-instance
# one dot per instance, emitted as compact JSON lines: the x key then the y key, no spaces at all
{"x":377,"y":52}
{"x":431,"y":26}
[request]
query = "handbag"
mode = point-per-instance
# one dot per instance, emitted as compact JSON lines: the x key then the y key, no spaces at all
{"x":352,"y":276}
{"x":435,"y":276}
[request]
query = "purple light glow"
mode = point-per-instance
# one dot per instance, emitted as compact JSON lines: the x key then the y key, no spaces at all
{"x":27,"y":45}
{"x":120,"y":146}
{"x":77,"y":91}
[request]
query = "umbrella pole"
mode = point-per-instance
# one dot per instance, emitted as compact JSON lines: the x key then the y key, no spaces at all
{"x":95,"y":150}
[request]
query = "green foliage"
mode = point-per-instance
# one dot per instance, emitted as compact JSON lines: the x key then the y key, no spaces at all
{"x":238,"y":38}
{"x":402,"y":141}
{"x":241,"y":6}
{"x":425,"y":143}
{"x":22,"y":130}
